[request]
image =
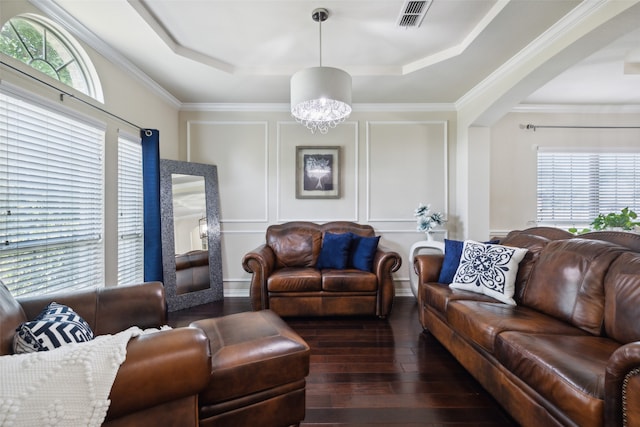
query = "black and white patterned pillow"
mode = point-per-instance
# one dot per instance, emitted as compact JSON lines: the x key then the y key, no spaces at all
{"x":489,"y":269}
{"x":55,"y":326}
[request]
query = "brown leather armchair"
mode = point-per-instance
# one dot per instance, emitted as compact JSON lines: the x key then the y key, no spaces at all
{"x":285,"y":278}
{"x":145,"y":391}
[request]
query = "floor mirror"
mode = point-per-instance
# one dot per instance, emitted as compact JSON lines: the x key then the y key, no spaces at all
{"x":189,"y":203}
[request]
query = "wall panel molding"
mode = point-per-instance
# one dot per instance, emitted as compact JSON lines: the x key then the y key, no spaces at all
{"x":346,"y":136}
{"x":410,"y":174}
{"x":265,"y":142}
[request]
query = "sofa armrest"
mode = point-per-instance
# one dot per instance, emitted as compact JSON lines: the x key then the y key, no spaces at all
{"x":261,"y":263}
{"x":109,"y":310}
{"x":160,"y":367}
{"x":622,"y":386}
{"x":427,"y":267}
{"x":385,"y":262}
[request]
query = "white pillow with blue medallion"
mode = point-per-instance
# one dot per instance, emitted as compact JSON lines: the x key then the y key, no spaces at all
{"x":489,"y":269}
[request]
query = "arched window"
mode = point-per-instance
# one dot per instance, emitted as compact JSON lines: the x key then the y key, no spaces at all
{"x":42,"y":45}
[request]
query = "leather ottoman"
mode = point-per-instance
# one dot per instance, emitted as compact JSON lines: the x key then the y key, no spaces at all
{"x":258,"y":370}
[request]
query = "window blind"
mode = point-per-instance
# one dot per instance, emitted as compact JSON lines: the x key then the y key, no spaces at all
{"x":130,"y":211}
{"x":51,"y":197}
{"x":574,"y":187}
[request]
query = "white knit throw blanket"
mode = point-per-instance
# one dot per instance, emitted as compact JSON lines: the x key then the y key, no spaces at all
{"x":68,"y":386}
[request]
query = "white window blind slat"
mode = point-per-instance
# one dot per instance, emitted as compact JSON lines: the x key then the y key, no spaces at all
{"x":51,"y":199}
{"x":130,"y":211}
{"x":574,"y":187}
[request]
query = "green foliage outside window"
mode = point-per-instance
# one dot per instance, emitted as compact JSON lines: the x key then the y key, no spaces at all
{"x":36,"y":45}
{"x":624,"y":220}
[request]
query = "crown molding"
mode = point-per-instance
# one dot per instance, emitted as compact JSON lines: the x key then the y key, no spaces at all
{"x":456,"y":50}
{"x":565,"y":25}
{"x":577,"y":108}
{"x":71,"y":24}
{"x":405,"y":107}
{"x":285,"y":107}
{"x":235,"y":107}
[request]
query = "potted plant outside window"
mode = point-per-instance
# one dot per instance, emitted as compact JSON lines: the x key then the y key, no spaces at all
{"x":624,"y":220}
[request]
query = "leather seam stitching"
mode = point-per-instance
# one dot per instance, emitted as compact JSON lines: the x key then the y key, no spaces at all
{"x":625,"y":384}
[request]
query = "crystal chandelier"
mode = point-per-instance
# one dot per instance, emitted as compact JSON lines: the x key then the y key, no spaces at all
{"x":320,"y":96}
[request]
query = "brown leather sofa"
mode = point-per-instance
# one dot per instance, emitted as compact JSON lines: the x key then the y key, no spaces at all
{"x":569,"y":352}
{"x":223,"y":372}
{"x":145,"y":391}
{"x":285,"y":278}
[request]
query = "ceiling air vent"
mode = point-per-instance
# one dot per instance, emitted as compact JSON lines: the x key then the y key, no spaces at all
{"x":412,"y":13}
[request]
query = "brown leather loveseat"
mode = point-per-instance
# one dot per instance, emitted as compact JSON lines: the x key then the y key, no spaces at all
{"x":569,"y":352}
{"x":146,"y":390}
{"x":288,"y":278}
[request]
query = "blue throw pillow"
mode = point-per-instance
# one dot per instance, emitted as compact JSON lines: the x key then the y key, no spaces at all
{"x":452,"y":254}
{"x":335,"y":251}
{"x":363,"y":250}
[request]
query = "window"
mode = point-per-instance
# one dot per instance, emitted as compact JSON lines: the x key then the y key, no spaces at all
{"x":130,"y":211}
{"x":51,"y":198}
{"x":575,"y":186}
{"x":41,"y":45}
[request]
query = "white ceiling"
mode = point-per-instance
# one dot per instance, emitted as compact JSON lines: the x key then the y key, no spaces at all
{"x":241,"y":51}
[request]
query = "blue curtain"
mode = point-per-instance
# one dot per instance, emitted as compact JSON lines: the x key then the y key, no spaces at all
{"x":151,"y":188}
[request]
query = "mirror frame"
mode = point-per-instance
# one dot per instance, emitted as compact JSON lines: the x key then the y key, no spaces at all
{"x":177,"y":301}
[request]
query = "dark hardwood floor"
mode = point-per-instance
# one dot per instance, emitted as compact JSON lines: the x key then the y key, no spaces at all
{"x":371,"y":372}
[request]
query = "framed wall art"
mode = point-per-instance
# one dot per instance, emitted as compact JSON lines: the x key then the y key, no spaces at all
{"x":317,"y":172}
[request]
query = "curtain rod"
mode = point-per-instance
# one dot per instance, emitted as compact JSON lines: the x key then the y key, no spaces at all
{"x":69,"y":94}
{"x":534,"y":127}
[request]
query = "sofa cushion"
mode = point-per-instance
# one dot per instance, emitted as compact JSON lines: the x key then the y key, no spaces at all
{"x":55,"y":326}
{"x":566,"y":370}
{"x":483,"y":321}
{"x":534,"y":245}
{"x":568,"y":281}
{"x":363,"y":251}
{"x":488,"y":269}
{"x":439,"y":295}
{"x":348,"y":227}
{"x":622,"y":299}
{"x":295,"y":280}
{"x":335,"y":252}
{"x":251,"y":353}
{"x":295,"y":246}
{"x":350,"y":280}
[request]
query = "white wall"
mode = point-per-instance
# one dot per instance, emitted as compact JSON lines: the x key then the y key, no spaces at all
{"x":514,"y":157}
{"x":390,"y":162}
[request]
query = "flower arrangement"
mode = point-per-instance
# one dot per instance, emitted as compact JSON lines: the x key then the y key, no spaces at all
{"x":427,"y":220}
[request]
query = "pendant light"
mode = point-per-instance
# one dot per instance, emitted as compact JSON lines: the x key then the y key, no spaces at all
{"x":320,"y":96}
